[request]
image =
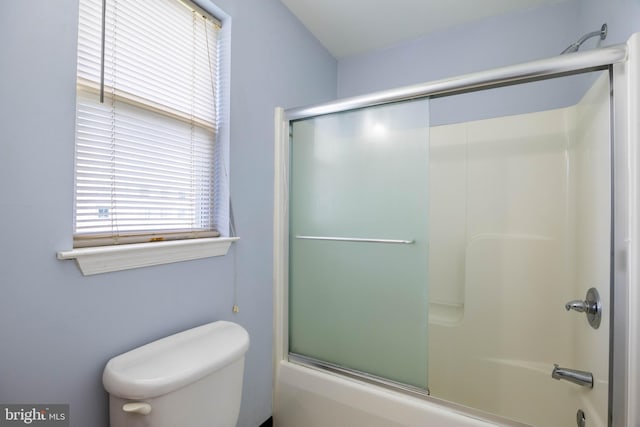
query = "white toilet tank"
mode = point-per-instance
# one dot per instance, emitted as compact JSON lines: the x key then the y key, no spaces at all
{"x":190,"y":379}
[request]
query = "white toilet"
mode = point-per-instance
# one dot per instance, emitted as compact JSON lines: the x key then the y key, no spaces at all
{"x":190,"y":379}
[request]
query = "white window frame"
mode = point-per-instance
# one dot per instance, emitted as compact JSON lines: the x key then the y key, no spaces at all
{"x":102,"y":259}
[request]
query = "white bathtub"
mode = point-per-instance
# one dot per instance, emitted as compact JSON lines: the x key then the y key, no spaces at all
{"x":311,"y":398}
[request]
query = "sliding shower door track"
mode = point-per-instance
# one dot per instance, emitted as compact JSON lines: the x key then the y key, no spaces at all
{"x":358,"y":375}
{"x":413,"y":391}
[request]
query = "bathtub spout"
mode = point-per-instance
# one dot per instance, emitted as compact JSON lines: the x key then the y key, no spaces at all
{"x":582,"y":378}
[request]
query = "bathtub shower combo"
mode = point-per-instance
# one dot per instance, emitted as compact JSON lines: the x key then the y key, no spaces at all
{"x":462,"y":252}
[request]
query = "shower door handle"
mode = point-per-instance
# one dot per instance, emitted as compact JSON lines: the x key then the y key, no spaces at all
{"x":591,"y":306}
{"x":357,"y":239}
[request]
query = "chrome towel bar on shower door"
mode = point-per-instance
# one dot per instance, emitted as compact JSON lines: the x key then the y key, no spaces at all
{"x":357,"y":239}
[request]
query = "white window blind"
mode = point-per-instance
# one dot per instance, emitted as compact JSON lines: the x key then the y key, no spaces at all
{"x":146,"y":156}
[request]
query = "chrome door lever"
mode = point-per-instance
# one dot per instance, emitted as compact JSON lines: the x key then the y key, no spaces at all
{"x":582,"y":378}
{"x":576,"y":305}
{"x":591,"y":306}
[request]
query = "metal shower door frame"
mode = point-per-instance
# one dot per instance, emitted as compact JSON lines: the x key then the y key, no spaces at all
{"x":613,"y":59}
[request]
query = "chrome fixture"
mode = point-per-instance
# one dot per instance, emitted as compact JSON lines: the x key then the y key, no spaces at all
{"x":573,"y":47}
{"x":582,"y":378}
{"x":357,"y":239}
{"x":591,"y":306}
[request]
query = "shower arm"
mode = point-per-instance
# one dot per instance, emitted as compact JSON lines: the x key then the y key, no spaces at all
{"x":602,"y":33}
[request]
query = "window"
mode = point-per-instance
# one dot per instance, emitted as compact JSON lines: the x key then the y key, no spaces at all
{"x":148,"y":165}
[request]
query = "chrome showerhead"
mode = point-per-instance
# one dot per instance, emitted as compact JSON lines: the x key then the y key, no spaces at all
{"x":573,"y":47}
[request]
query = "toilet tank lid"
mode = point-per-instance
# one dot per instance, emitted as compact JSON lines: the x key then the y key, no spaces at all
{"x":173,"y":362}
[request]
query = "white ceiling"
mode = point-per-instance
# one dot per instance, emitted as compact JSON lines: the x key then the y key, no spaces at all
{"x":350,"y":27}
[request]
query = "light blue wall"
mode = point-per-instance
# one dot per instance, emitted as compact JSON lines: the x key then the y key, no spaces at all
{"x":58,"y":328}
{"x":493,"y":42}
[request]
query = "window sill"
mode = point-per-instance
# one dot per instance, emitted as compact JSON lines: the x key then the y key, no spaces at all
{"x":106,"y":259}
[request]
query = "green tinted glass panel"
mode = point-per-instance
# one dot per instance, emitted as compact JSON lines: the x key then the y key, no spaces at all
{"x":361,"y":305}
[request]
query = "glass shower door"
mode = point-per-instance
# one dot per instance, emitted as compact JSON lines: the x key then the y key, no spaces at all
{"x":358,"y":291}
